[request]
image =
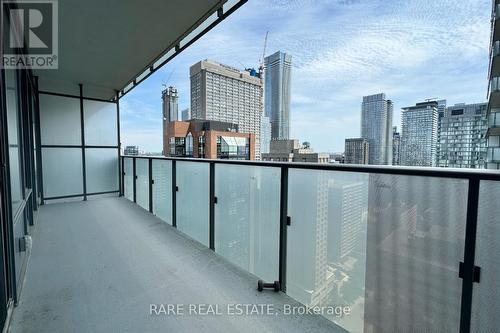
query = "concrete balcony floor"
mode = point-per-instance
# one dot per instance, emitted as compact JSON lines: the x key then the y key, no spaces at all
{"x":96,"y":266}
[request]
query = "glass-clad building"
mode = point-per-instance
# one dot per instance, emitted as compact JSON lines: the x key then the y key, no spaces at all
{"x":277,"y":93}
{"x":376,"y":127}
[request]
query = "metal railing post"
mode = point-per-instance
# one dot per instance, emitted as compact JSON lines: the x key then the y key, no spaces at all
{"x":174,"y":195}
{"x":120,"y":165}
{"x":151,"y":182}
{"x":134,"y":178}
{"x":212,"y":207}
{"x":82,"y":129}
{"x":467,"y":270}
{"x":122,"y":176}
{"x":283,"y":227}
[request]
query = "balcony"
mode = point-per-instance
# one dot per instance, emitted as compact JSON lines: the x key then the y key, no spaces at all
{"x":496,"y":20}
{"x":93,"y":241}
{"x":495,"y":60}
{"x":400,"y":248}
{"x":494,"y":93}
{"x":494,"y":118}
{"x":98,"y":265}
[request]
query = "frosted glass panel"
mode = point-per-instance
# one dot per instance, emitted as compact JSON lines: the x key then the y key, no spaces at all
{"x":128,"y":179}
{"x":102,"y":169}
{"x":326,"y":251}
{"x":62,"y":171}
{"x":142,"y":182}
{"x":13,"y":135}
{"x":247,"y":217}
{"x":486,"y":294}
{"x":60,"y":120}
{"x":20,"y":256}
{"x":415,"y":241}
{"x":100,"y":123}
{"x":385,"y":246}
{"x":193,"y":199}
{"x":162,"y":190}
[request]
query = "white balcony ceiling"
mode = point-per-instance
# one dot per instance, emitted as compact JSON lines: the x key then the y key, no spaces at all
{"x":105,"y":44}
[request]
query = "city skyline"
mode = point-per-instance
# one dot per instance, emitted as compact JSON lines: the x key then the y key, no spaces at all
{"x":331,"y":74}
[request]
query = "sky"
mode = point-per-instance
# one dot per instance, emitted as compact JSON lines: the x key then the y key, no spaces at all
{"x":341,"y":50}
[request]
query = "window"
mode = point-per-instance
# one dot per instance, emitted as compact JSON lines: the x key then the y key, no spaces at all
{"x":177,"y":146}
{"x":189,"y":145}
{"x":234,"y":148}
{"x":11,"y":82}
{"x":201,"y":146}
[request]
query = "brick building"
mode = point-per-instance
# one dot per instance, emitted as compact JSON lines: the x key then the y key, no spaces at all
{"x":207,"y":139}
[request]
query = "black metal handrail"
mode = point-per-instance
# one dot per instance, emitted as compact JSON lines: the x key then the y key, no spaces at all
{"x":481,"y":174}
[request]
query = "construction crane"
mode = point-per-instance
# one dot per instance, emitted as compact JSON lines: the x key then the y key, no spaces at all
{"x":261,"y":60}
{"x":164,"y":84}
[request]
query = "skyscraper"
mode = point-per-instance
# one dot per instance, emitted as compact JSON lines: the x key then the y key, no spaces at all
{"x":462,"y":136}
{"x":265,"y":135}
{"x":345,"y":210}
{"x":223,"y":93}
{"x":186,"y":114}
{"x":376,"y":127}
{"x":356,"y":151}
{"x":396,"y":146}
{"x":441,"y":108}
{"x":441,"y":105}
{"x":419,"y":134}
{"x":170,"y":100}
{"x":277,"y":81}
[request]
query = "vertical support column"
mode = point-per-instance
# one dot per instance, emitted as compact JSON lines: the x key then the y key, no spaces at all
{"x":32,"y":152}
{"x":174,"y":195}
{"x":120,"y":165}
{"x":211,"y":227}
{"x":38,"y":138}
{"x":283,"y":226}
{"x":21,"y":128}
{"x":151,"y":182}
{"x":25,"y":147}
{"x":82,"y":124}
{"x":134,"y":178}
{"x":468,"y":271}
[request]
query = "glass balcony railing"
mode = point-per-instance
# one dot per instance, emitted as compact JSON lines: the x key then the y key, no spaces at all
{"x":373,"y":249}
{"x":494,"y":118}
{"x":495,"y":48}
{"x":493,"y":154}
{"x":495,"y":84}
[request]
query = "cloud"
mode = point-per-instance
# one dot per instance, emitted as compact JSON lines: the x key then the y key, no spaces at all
{"x":342,"y":50}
